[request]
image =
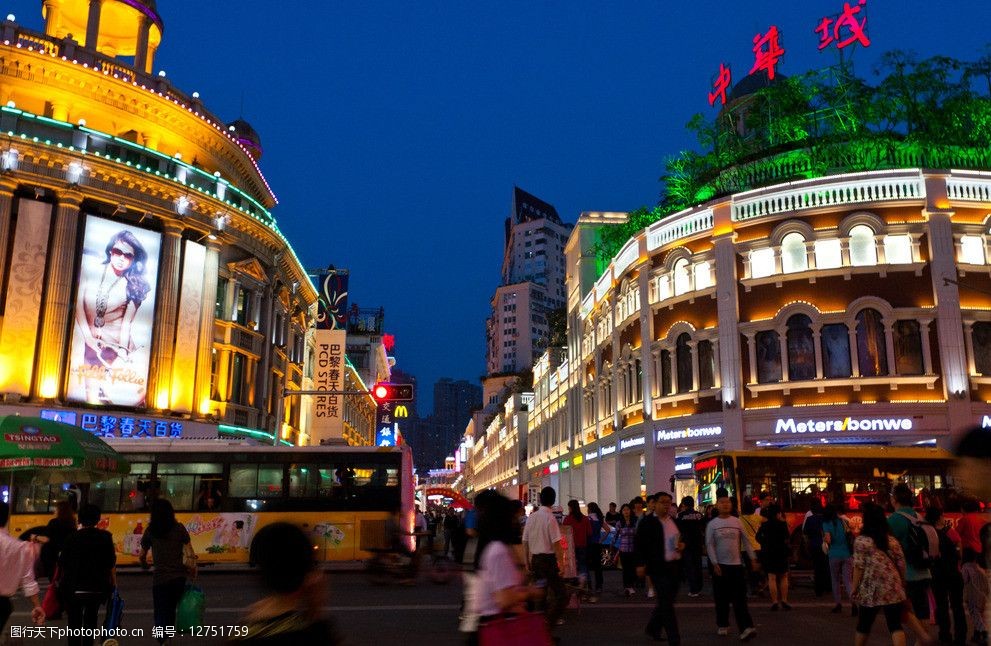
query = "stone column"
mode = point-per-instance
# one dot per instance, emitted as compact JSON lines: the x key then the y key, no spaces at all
{"x":204,"y":349}
{"x":952,"y":353}
{"x":7,"y":188}
{"x":93,"y":24}
{"x":53,"y":10}
{"x":614,"y":404}
{"x":646,"y":339}
{"x":141,"y":52}
{"x":163,"y":343}
{"x":58,"y":294}
{"x":728,"y":312}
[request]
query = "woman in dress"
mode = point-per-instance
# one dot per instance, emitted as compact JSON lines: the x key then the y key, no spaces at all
{"x":878,"y":577}
{"x":105,"y":310}
{"x":775,"y":549}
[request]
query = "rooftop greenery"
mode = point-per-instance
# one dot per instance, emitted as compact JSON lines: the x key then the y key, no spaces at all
{"x":931,"y":113}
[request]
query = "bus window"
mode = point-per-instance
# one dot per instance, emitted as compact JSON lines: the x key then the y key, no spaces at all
{"x":256,"y":481}
{"x":190,"y":485}
{"x":124,"y":493}
{"x":711,"y":474}
{"x":34,"y":496}
{"x":310,"y":481}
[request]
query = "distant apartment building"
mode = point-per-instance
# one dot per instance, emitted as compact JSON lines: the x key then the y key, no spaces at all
{"x":532,"y":285}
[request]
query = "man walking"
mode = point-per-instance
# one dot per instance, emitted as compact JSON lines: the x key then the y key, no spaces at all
{"x":18,"y":559}
{"x":658,"y":548}
{"x":545,"y":554}
{"x":690,"y":524}
{"x":917,"y":578}
{"x":724,"y":539}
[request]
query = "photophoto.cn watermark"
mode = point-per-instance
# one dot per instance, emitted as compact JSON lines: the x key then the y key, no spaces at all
{"x":62,"y":632}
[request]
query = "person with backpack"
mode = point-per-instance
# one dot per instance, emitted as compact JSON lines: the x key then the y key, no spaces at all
{"x":838,"y":538}
{"x":947,"y":581}
{"x":919,"y":543}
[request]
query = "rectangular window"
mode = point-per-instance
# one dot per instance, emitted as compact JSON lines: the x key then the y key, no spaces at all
{"x":256,"y":480}
{"x":972,"y":250}
{"x":828,"y":254}
{"x":191,"y":486}
{"x":218,"y":311}
{"x":898,"y":250}
{"x":761,"y":263}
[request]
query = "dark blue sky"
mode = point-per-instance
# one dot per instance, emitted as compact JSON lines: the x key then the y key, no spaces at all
{"x":395,"y":131}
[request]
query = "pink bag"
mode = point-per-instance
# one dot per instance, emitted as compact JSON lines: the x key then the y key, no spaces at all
{"x":527,"y":629}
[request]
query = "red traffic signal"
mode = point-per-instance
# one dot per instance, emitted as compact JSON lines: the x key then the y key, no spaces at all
{"x":385,"y":391}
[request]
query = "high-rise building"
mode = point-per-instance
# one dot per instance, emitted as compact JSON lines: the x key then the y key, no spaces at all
{"x":454,"y":402}
{"x":532,"y":285}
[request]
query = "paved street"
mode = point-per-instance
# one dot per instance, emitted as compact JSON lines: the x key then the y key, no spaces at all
{"x":427,"y":614}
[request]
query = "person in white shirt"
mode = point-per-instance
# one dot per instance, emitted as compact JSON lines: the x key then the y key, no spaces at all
{"x":17,"y":558}
{"x":545,"y":554}
{"x":724,"y":540}
{"x":658,"y":548}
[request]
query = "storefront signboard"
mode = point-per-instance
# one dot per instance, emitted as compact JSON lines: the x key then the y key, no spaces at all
{"x":847,"y":424}
{"x":689,"y":433}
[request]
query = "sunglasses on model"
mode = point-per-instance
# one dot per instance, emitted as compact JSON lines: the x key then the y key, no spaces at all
{"x":117,"y":251}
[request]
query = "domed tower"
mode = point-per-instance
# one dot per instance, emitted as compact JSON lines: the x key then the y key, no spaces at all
{"x":112,"y":27}
{"x":247,"y":137}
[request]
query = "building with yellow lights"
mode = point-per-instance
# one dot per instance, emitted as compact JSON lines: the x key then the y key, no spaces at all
{"x":145,"y":288}
{"x":845,"y":308}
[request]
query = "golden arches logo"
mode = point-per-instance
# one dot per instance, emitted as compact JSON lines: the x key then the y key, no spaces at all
{"x":400,"y":411}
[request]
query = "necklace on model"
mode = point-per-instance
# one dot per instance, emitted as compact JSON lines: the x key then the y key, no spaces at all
{"x":101,"y":297}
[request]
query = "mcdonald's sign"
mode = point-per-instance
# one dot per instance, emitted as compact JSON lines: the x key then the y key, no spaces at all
{"x":400,"y":411}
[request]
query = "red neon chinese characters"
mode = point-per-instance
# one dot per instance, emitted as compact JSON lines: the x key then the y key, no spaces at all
{"x":855,"y":29}
{"x":720,"y":84}
{"x":767,"y":52}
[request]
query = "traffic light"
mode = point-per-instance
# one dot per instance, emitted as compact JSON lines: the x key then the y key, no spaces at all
{"x":385,"y":391}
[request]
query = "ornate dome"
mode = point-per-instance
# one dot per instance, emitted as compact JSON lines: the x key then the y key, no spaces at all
{"x":247,"y":137}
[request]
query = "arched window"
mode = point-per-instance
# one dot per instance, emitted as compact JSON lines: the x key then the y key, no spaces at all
{"x":801,"y":348}
{"x":682,"y":280}
{"x":761,"y":263}
{"x":972,"y":250}
{"x":907,"y":339}
{"x":663,"y":288}
{"x":638,"y":384}
{"x":768,"y":357}
{"x":683,"y":357}
{"x":707,"y":365}
{"x":863,"y":250}
{"x":981,"y":337}
{"x":835,"y":341}
{"x":703,"y":275}
{"x":793,"y":254}
{"x":872,"y":353}
{"x":665,"y":373}
{"x":898,"y":249}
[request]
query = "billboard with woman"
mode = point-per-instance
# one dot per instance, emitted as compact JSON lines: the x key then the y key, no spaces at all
{"x":114,"y":314}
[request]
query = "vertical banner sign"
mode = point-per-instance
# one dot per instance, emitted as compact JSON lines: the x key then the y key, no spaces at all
{"x":114,"y":314}
{"x":188,"y":327}
{"x":332,"y":310}
{"x":328,"y":411}
{"x":385,"y":425}
{"x":22,"y":310}
{"x":331,"y":338}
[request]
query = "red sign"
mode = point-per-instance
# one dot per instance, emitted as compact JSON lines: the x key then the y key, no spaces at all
{"x":854,"y":30}
{"x":705,"y":464}
{"x":767,"y":52}
{"x":723,"y":80}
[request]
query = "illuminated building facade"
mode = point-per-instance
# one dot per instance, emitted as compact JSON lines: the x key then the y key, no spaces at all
{"x":145,"y":287}
{"x":498,"y":457}
{"x":845,"y":308}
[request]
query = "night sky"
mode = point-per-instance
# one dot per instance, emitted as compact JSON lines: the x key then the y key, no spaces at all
{"x":394,"y":131}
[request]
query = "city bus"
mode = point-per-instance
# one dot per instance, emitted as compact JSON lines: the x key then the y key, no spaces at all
{"x":842,"y":475}
{"x":224,"y":490}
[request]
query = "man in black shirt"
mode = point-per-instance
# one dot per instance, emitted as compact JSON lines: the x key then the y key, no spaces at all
{"x":691,"y":524}
{"x":612,"y":515}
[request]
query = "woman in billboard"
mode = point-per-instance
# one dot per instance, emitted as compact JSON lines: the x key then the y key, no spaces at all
{"x":106,"y":306}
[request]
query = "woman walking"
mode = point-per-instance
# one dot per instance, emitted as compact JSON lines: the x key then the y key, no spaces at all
{"x":626,"y":531}
{"x":168,"y":541}
{"x":836,"y":533}
{"x":774,"y":551}
{"x":499,"y":589}
{"x":581,"y":532}
{"x":878,"y":577}
{"x":594,"y":551}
